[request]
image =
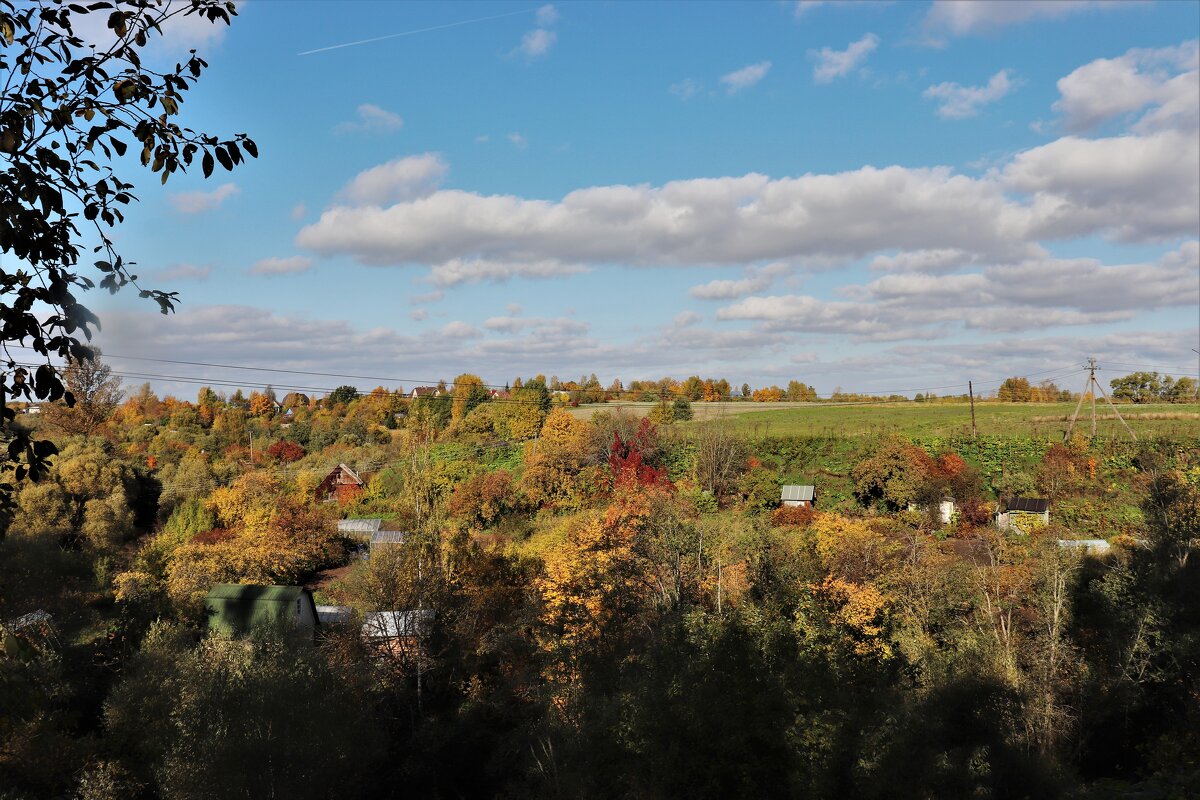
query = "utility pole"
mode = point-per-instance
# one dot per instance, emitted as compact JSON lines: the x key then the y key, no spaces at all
{"x":1092,"y":372}
{"x":1196,"y":388}
{"x":1094,"y":386}
{"x":971,"y":392}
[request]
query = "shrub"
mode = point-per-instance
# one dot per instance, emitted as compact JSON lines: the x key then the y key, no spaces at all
{"x":793,"y":515}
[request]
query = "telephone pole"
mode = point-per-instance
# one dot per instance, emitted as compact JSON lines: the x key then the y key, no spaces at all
{"x":971,"y":392}
{"x":1093,"y":386}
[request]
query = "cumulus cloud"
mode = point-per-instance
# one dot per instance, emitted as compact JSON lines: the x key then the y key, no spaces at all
{"x":372,"y":119}
{"x":839,"y":63}
{"x":1166,"y":78}
{"x":518,"y":141}
{"x":745,"y":77}
{"x":199,"y":202}
{"x":1029,"y":295}
{"x":292,"y":265}
{"x":1132,"y":187}
{"x":537,"y":42}
{"x":756,"y":280}
{"x":966,"y":17}
{"x":960,"y":102}
{"x":932,"y":261}
{"x":399,"y":180}
{"x":458,"y":271}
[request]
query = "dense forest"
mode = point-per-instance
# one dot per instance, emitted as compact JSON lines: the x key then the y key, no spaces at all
{"x":620,"y":609}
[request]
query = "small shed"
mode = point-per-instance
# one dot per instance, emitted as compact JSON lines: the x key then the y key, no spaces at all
{"x":342,"y":484}
{"x":386,"y":539}
{"x":383,"y":625}
{"x":234,"y":609}
{"x":335,"y":615}
{"x":1017,"y":509}
{"x":798,"y":495}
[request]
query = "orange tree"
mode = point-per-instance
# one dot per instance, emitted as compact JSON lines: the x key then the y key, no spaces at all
{"x":69,"y":111}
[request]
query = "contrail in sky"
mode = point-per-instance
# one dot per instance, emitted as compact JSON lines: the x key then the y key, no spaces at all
{"x":419,"y":30}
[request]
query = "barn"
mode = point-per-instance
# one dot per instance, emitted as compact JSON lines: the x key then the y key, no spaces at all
{"x":234,"y":609}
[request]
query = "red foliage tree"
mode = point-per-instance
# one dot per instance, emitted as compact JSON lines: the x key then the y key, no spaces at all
{"x":626,"y":459}
{"x":793,"y":515}
{"x":286,"y":452}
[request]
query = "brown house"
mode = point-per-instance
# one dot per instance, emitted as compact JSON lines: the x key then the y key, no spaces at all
{"x":341,"y":484}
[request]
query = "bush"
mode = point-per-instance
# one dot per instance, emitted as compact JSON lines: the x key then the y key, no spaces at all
{"x":793,"y":515}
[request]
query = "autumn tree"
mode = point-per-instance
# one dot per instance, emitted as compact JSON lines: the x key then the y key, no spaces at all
{"x":1015,"y":390}
{"x":64,"y":127}
{"x":469,"y":392}
{"x":96,"y":392}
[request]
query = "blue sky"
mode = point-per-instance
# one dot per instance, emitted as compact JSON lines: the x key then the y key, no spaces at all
{"x":876,"y":196}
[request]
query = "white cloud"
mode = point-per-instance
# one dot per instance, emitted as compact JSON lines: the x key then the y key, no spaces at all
{"x":418,"y":315}
{"x":930,"y":261}
{"x":459,"y":330}
{"x":399,"y":180}
{"x":966,"y":17}
{"x":756,"y":280}
{"x":1167,"y":78}
{"x":537,"y":42}
{"x":686,"y":89}
{"x":292,"y":265}
{"x":183,"y":272}
{"x":518,"y":140}
{"x":459,"y":271}
{"x":298,"y":211}
{"x":960,"y":102}
{"x":1131,"y":187}
{"x":745,"y":77}
{"x":199,"y":202}
{"x":839,"y":63}
{"x":372,"y":119}
{"x":1134,"y":187}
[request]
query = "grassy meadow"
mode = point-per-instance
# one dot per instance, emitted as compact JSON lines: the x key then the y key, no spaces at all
{"x":1031,"y":420}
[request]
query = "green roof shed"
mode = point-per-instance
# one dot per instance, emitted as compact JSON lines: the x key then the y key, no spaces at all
{"x":235,"y":608}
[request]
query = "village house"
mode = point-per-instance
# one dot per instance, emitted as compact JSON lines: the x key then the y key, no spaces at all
{"x":235,"y":609}
{"x":335,"y":615}
{"x":1018,"y":512}
{"x":798,"y":495}
{"x":425,"y":391}
{"x":342,"y":484}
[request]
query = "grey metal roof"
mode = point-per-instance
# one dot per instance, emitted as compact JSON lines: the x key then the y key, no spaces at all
{"x":1031,"y":505}
{"x":393,"y":624}
{"x":359,"y":525}
{"x":388,"y":537}
{"x":335,"y":615}
{"x":798,"y":493}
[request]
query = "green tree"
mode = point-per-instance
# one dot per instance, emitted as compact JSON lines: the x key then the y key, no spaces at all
{"x":64,"y":127}
{"x":342,"y":394}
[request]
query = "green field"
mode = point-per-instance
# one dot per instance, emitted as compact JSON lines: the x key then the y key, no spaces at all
{"x":1034,"y":420}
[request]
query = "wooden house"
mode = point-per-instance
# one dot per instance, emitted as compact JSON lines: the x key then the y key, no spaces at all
{"x":235,"y":609}
{"x":1019,"y":512}
{"x":798,"y":495}
{"x":424,"y":391}
{"x":342,"y":484}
